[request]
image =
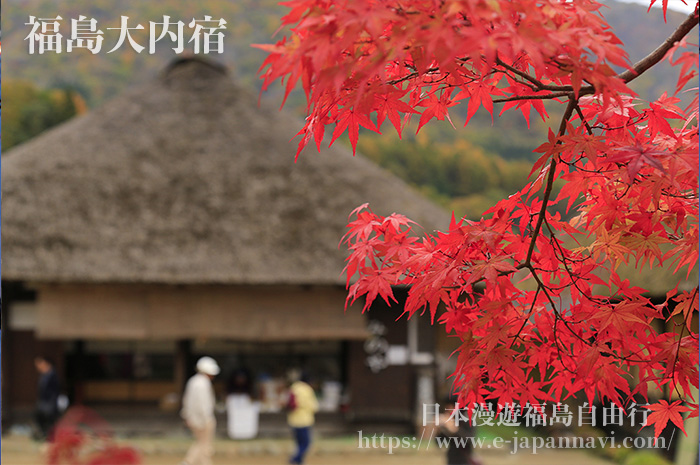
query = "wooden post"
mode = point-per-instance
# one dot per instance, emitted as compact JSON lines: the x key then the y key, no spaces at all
{"x":79,"y":381}
{"x":6,"y":360}
{"x":183,"y":353}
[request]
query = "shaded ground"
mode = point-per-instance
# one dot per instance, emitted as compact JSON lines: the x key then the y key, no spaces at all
{"x":19,"y":450}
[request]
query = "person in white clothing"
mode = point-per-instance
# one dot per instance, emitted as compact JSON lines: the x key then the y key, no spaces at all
{"x":198,"y":412}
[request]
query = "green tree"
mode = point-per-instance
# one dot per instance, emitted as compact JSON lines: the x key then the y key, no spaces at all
{"x":28,"y":110}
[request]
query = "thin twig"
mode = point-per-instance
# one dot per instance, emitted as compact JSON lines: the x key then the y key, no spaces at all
{"x":553,"y":95}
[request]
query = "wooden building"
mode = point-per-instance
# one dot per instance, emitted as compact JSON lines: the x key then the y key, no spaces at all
{"x":173,"y":222}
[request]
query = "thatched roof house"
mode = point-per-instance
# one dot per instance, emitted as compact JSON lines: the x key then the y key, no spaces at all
{"x":186,"y":180}
{"x":174,"y":222}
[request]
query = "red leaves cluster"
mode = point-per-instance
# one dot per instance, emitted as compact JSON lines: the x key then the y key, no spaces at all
{"x":82,"y":437}
{"x":352,"y":56}
{"x":536,"y":299}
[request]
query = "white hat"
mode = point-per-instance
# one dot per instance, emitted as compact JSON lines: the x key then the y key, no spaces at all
{"x":208,"y":366}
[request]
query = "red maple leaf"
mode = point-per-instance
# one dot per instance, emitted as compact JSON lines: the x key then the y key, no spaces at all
{"x":636,"y":156}
{"x":662,"y":412}
{"x":352,"y":120}
{"x":435,"y":108}
{"x":389,"y":106}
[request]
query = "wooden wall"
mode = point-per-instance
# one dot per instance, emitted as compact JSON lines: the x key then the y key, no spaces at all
{"x":140,"y":312}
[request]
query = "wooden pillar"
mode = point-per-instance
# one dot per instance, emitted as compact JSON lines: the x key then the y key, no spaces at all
{"x":5,"y":369}
{"x":183,"y":354}
{"x":79,"y":375}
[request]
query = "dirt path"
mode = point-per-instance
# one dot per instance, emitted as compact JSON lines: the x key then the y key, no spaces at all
{"x":22,"y":451}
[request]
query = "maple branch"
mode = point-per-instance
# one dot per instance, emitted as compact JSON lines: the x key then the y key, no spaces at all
{"x":574,"y":278}
{"x":553,"y":95}
{"x":550,"y":182}
{"x":543,"y":210}
{"x":404,"y":78}
{"x":522,"y":83}
{"x":583,"y":119}
{"x":557,"y":318}
{"x":573,"y":164}
{"x":573,"y":103}
{"x":675,"y":360}
{"x":527,"y":317}
{"x":624,"y":194}
{"x":688,"y":196}
{"x":540,"y":85}
{"x":627,"y":76}
{"x":657,"y":55}
{"x":560,"y":91}
{"x":557,"y":314}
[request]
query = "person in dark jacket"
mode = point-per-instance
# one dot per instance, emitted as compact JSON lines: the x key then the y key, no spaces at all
{"x":47,"y":411}
{"x":455,"y":425}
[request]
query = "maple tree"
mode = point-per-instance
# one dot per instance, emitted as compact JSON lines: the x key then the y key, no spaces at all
{"x":536,"y":298}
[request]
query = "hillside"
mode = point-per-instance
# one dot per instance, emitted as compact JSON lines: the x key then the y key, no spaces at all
{"x":464,"y":169}
{"x":102,"y":76}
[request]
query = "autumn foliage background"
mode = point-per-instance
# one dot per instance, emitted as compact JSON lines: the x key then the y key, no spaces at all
{"x":534,"y":294}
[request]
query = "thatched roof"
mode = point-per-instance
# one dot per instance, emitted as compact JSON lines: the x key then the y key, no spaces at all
{"x":187,"y":180}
